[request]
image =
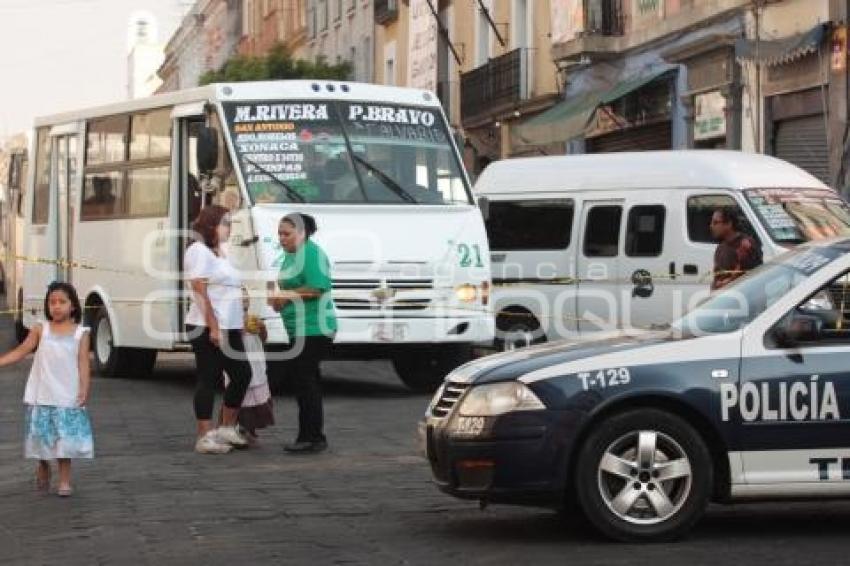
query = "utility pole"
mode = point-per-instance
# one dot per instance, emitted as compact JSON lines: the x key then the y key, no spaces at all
{"x":757,"y":5}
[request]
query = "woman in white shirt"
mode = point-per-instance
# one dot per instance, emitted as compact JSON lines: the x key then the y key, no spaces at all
{"x":214,"y":325}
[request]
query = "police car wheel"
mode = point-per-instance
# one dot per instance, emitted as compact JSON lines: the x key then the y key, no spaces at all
{"x":645,"y":476}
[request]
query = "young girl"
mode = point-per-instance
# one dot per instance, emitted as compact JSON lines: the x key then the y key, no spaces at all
{"x":57,"y":422}
{"x":257,"y":410}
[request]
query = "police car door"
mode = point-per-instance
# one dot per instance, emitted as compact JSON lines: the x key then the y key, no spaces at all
{"x":793,"y":401}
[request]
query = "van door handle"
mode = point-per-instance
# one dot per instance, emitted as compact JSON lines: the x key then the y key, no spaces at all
{"x":690,"y":269}
{"x":673,"y":270}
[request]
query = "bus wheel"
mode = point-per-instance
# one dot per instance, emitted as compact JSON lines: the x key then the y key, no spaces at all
{"x":423,"y":371}
{"x":113,"y":361}
{"x":645,"y":476}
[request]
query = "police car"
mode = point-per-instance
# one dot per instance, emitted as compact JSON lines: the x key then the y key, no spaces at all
{"x":747,"y":397}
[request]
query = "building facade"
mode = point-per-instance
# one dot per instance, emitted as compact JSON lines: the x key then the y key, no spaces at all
{"x":208,"y":36}
{"x":756,"y":75}
{"x":339,"y":31}
{"x":489,"y":61}
{"x":266,"y":23}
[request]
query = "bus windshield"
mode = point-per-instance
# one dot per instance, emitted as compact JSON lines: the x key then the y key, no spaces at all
{"x":793,"y":216}
{"x":345,"y":153}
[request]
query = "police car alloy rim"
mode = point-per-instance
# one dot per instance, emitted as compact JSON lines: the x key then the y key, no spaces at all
{"x":644,"y":477}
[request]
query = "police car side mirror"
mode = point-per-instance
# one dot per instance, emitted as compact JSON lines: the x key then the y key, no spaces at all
{"x":797,"y":329}
{"x":207,"y":149}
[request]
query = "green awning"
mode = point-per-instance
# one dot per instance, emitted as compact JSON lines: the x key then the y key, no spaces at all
{"x":569,"y":119}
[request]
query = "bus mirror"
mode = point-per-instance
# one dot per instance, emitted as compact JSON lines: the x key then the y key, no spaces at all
{"x":484,"y":205}
{"x":207,"y":149}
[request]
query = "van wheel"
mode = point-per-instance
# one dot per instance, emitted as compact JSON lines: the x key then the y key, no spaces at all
{"x":517,"y":329}
{"x":423,"y":371}
{"x":645,"y":476}
{"x":113,"y":361}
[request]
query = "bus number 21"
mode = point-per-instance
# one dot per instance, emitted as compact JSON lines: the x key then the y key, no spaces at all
{"x":466,"y":255}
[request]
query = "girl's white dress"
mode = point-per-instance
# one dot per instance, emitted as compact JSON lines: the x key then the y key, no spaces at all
{"x":55,"y":426}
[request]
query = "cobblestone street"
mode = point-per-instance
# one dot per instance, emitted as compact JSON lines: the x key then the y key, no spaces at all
{"x":148,"y":499}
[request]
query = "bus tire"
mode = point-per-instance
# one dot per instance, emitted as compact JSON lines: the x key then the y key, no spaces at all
{"x":424,"y":370}
{"x":113,"y":361}
{"x":645,"y":476}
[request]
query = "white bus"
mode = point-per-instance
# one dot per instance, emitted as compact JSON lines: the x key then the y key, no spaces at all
{"x":113,"y":190}
{"x":13,"y":173}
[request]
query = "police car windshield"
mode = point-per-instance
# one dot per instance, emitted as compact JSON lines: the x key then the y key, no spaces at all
{"x":345,"y":153}
{"x":792,"y":216}
{"x":737,"y":305}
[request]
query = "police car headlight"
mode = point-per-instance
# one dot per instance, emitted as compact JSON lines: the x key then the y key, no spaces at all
{"x":499,"y":398}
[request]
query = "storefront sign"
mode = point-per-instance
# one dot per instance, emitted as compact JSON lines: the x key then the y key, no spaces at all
{"x":839,"y":49}
{"x":709,"y":116}
{"x":567,"y":19}
{"x":422,"y":56}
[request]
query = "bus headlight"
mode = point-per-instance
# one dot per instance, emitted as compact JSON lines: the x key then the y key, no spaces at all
{"x":499,"y":398}
{"x":466,"y":293}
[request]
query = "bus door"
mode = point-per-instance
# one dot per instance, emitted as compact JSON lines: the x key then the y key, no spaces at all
{"x":189,"y":195}
{"x":65,"y":171}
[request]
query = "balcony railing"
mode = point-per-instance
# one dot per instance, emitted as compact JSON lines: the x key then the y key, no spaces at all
{"x":386,"y":11}
{"x":499,"y":82}
{"x":604,"y":17}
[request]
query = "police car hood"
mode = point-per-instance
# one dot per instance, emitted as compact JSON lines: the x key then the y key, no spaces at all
{"x":621,"y":349}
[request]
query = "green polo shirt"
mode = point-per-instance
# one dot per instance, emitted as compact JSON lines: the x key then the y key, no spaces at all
{"x":308,"y":267}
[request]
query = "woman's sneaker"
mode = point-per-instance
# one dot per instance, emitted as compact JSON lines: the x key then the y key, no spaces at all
{"x":229,"y":435}
{"x":209,"y":444}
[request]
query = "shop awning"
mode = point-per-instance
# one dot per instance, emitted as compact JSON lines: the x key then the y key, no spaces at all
{"x":781,"y":51}
{"x":569,"y":119}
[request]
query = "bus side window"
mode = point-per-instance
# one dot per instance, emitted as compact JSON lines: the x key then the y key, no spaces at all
{"x":602,"y":234}
{"x":150,"y":164}
{"x":104,"y":192}
{"x":41,"y":194}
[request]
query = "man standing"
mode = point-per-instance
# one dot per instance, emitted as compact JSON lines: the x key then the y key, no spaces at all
{"x":736,"y":253}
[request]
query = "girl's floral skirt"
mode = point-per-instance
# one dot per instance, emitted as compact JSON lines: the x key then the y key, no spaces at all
{"x":57,"y":432}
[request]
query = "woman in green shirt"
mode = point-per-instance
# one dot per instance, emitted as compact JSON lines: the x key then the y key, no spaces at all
{"x":306,"y":307}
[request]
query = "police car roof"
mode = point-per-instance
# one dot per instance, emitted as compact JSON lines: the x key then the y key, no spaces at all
{"x":643,"y":170}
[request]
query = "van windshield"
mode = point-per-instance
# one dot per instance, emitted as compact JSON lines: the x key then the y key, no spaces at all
{"x":343,"y":152}
{"x":793,"y":216}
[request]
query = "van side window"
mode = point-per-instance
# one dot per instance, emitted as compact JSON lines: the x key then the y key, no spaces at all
{"x":645,"y":231}
{"x":530,"y":224}
{"x":700,"y":209}
{"x":41,"y":195}
{"x":602,"y":234}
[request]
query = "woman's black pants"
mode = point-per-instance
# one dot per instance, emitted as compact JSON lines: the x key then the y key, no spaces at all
{"x":303,"y":373}
{"x":211,"y":361}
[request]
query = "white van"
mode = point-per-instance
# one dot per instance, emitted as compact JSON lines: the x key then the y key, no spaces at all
{"x":590,"y":243}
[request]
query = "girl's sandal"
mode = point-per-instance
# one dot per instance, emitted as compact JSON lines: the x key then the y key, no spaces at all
{"x":65,"y":491}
